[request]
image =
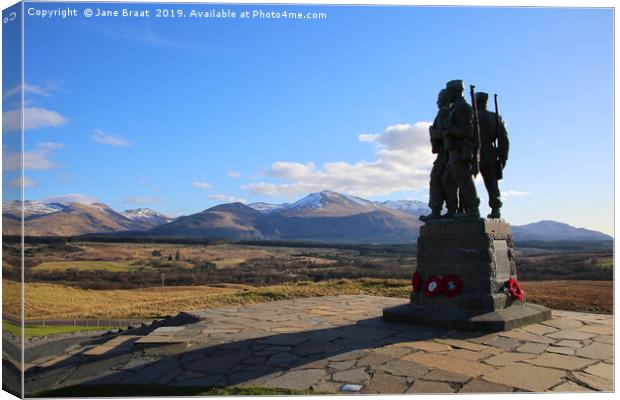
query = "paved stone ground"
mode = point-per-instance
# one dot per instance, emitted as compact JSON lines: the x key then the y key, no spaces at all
{"x":324,"y":343}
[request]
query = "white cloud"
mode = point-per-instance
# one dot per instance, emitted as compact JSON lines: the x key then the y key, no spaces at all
{"x":17,"y":183}
{"x":202,"y":185}
{"x":403,"y":160}
{"x":50,"y":145}
{"x":234,"y":174}
{"x":514,"y":193}
{"x":142,"y":200}
{"x":34,"y":89}
{"x":34,"y":118}
{"x":113,"y":140}
{"x":71,"y":198}
{"x":36,"y":159}
{"x":225,"y":198}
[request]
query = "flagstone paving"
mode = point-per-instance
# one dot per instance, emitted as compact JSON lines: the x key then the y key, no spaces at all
{"x":320,"y":344}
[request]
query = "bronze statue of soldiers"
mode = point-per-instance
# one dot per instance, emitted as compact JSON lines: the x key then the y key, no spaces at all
{"x":493,"y":151}
{"x":437,"y":194}
{"x":459,"y":141}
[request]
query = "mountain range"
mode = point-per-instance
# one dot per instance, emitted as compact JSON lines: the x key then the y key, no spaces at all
{"x":71,"y":219}
{"x":323,"y":216}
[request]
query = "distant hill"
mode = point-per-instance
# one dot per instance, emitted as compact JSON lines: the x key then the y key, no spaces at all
{"x":551,"y":230}
{"x":325,"y":216}
{"x":232,"y":221}
{"x":69,"y":219}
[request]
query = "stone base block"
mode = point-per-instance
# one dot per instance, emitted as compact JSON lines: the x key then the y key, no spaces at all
{"x":499,"y":320}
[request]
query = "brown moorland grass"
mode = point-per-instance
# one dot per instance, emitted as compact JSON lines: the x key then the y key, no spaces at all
{"x":222,"y":255}
{"x":52,"y":301}
{"x":583,"y":296}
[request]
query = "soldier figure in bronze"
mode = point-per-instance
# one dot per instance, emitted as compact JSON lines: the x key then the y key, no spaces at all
{"x":493,"y":151}
{"x":437,"y":194}
{"x":461,"y":144}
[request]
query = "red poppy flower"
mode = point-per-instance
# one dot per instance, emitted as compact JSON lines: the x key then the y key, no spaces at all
{"x":432,"y":286}
{"x":451,"y":285}
{"x":415,"y":281}
{"x":514,"y":289}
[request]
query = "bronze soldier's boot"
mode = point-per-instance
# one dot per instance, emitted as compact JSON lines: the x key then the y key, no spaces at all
{"x":450,"y":214}
{"x":472,"y":213}
{"x":494,"y":213}
{"x":435,"y":214}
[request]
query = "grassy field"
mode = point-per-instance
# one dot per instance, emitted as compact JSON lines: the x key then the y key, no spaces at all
{"x":113,"y":266}
{"x":33,"y":331}
{"x":127,"y":255}
{"x":51,"y":301}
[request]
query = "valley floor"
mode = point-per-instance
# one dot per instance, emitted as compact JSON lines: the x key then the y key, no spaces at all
{"x":53,"y":301}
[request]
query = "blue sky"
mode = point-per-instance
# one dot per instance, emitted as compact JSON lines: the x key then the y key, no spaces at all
{"x":181,"y":114}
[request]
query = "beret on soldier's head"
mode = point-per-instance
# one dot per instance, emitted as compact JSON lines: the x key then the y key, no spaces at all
{"x":455,"y":85}
{"x":481,"y":97}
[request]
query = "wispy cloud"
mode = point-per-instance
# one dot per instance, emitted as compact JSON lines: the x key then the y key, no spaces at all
{"x":114,"y":140}
{"x":71,"y":198}
{"x":225,"y":198}
{"x":514,"y":193}
{"x":403,"y":159}
{"x":17,"y":183}
{"x":145,"y":34}
{"x":142,"y":200}
{"x":33,"y":89}
{"x":34,"y":118}
{"x":37,"y":159}
{"x":201,"y":185}
{"x":234,"y":174}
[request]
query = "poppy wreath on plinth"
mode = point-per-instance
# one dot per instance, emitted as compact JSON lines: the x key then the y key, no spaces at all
{"x":514,"y":289}
{"x":451,"y":285}
{"x":415,"y":282}
{"x":432,"y":286}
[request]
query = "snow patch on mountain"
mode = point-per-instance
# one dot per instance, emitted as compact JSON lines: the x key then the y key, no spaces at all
{"x":267,"y":208}
{"x":414,"y":207}
{"x":32,"y":207}
{"x":147,"y":215}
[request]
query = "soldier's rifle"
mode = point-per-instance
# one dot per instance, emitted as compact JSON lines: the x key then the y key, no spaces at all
{"x":498,"y":127}
{"x":476,"y":166}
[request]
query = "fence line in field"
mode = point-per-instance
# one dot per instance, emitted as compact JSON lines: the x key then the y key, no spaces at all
{"x":109,"y":322}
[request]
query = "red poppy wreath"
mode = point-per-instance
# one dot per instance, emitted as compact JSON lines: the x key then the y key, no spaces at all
{"x":432,"y":286}
{"x":514,"y":289}
{"x":415,"y":282}
{"x":451,"y":285}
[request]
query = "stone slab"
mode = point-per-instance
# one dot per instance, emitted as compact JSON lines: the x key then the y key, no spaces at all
{"x":421,"y":386}
{"x":527,"y":377}
{"x":501,"y":320}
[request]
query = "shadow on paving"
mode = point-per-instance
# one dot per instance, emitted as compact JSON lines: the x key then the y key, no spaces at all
{"x":250,"y":362}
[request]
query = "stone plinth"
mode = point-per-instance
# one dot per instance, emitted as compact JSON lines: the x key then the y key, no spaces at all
{"x":481,"y":253}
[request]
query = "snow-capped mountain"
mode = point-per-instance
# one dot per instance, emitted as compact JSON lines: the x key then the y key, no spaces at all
{"x":32,"y":208}
{"x":146,"y":215}
{"x":414,"y":207}
{"x":68,"y":219}
{"x":326,"y":202}
{"x":267,"y":207}
{"x":322,"y":216}
{"x":327,"y":197}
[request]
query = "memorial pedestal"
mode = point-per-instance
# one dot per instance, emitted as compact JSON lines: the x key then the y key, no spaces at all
{"x":481,"y":253}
